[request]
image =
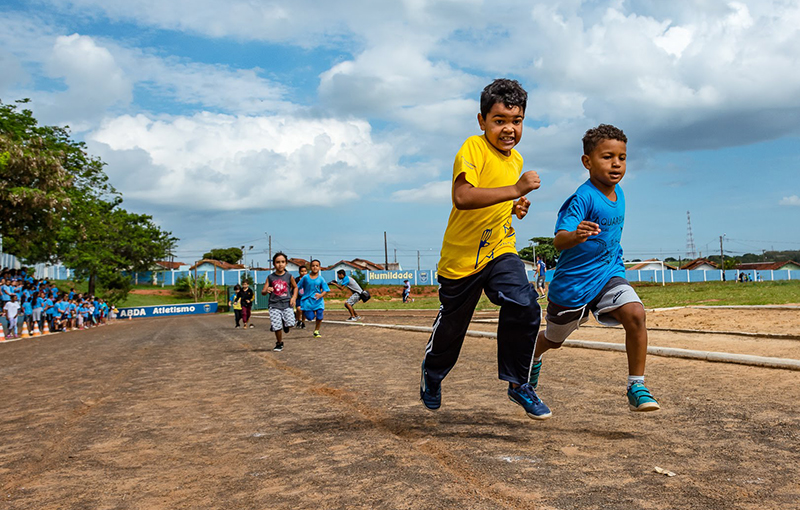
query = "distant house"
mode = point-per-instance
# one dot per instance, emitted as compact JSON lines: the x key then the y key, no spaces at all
{"x":700,"y":265}
{"x":529,"y":265}
{"x":293,"y":264}
{"x":345,"y":265}
{"x":356,"y":265}
{"x":210,"y":264}
{"x":651,"y":265}
{"x":787,"y":265}
{"x":165,"y":265}
{"x":366,"y":264}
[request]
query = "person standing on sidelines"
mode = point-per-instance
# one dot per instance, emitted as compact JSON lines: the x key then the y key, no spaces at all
{"x":11,"y":309}
{"x":345,"y":282}
{"x":406,"y":290}
{"x":246,"y":297}
{"x":282,"y":291}
{"x":541,"y":271}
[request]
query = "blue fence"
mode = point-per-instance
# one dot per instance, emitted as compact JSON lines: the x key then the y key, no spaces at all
{"x":428,"y":276}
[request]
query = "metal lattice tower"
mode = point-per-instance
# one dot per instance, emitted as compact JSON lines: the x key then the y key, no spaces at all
{"x":690,"y":250}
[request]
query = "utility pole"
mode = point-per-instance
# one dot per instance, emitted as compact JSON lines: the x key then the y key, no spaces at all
{"x":395,"y":255}
{"x":385,"y":251}
{"x":722,"y":257}
{"x":418,"y":260}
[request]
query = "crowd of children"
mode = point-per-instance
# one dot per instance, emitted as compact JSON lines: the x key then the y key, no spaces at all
{"x":38,"y":303}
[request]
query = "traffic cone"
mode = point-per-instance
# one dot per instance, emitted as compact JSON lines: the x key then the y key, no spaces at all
{"x":25,"y":333}
{"x":2,"y":334}
{"x":46,"y":330}
{"x":36,"y":331}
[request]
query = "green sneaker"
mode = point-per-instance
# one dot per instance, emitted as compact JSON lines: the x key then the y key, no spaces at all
{"x":317,"y":335}
{"x":640,"y":399}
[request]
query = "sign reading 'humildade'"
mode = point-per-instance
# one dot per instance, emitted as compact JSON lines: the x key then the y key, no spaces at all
{"x":165,"y":310}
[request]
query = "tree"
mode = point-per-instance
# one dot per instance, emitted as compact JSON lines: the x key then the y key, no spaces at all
{"x":230,"y":255}
{"x":544,"y":247}
{"x":57,"y":204}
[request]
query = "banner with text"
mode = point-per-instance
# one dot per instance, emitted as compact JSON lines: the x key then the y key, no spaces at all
{"x":165,"y":310}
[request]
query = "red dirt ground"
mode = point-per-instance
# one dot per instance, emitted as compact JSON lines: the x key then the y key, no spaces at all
{"x":188,"y":413}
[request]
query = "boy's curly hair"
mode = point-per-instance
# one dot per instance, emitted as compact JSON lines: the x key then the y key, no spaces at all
{"x":503,"y":90}
{"x":594,"y":136}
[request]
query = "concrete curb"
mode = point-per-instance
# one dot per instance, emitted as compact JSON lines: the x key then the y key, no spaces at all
{"x":667,"y":352}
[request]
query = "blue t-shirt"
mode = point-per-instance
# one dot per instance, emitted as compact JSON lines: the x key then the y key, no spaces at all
{"x":48,"y":303}
{"x":27,"y":309}
{"x":6,"y":292}
{"x":310,"y":287}
{"x":542,"y":268}
{"x":583,"y":270}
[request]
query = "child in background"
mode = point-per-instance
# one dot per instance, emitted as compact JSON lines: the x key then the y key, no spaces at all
{"x":246,"y":297}
{"x":406,"y":290}
{"x":300,"y":320}
{"x":282,"y":291}
{"x":314,"y":290}
{"x":345,"y":282}
{"x":11,"y":309}
{"x":27,"y":312}
{"x":590,"y":274}
{"x":236,"y":305}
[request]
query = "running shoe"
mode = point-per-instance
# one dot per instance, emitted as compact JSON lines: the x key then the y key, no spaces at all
{"x":429,"y":392}
{"x":251,"y":326}
{"x":526,"y":397}
{"x":352,"y":319}
{"x":640,"y":399}
{"x":278,"y":347}
{"x":317,"y":335}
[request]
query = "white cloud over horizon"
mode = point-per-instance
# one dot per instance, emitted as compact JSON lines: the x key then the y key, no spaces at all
{"x":792,"y":200}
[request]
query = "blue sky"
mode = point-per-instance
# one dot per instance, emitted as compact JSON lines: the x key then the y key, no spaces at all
{"x":324,"y":124}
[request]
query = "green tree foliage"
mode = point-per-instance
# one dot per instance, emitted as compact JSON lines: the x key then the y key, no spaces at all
{"x":229,"y":255}
{"x":58,"y":205}
{"x":358,"y":276}
{"x":544,"y":247}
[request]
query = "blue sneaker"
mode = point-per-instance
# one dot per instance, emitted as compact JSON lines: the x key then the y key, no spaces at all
{"x":640,"y":399}
{"x":535,"y":369}
{"x":430,"y":393}
{"x":526,"y":397}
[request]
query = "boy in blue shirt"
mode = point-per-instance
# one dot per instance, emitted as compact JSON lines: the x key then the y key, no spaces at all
{"x":479,"y":253}
{"x":314,"y":290}
{"x":590,"y":275}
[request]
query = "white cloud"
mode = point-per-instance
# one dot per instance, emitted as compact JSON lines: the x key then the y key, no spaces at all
{"x":223,"y":162}
{"x":792,"y":200}
{"x":432,"y":192}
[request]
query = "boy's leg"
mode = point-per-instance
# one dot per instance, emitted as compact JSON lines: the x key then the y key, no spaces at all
{"x":520,"y":316}
{"x":458,"y":299}
{"x":632,"y":318}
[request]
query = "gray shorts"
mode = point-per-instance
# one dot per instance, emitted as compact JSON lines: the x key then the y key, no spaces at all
{"x":280,"y":319}
{"x":540,"y":281}
{"x":562,"y":321}
{"x":353,"y":299}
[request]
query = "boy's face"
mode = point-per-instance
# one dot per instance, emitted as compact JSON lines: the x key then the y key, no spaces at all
{"x":314,"y":267}
{"x":606,"y":164}
{"x":502,"y":127}
{"x":303,"y":271}
{"x":280,"y":264}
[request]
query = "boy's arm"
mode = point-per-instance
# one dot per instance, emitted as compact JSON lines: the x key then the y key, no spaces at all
{"x":466,"y":196}
{"x":565,"y":240}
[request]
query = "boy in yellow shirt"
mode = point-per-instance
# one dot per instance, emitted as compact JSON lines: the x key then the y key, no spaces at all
{"x":479,"y":252}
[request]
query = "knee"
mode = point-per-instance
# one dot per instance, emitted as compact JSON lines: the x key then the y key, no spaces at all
{"x":634,"y":317}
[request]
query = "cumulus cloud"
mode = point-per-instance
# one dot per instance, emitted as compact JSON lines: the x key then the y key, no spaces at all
{"x":223,"y":162}
{"x":792,"y":200}
{"x":432,"y":192}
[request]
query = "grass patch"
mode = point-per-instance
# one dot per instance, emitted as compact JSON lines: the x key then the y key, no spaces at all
{"x":653,"y":295}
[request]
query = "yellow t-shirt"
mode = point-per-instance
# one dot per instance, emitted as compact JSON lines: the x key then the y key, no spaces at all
{"x":475,"y":237}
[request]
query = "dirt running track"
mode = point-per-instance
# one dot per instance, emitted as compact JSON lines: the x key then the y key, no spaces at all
{"x":187,"y":413}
